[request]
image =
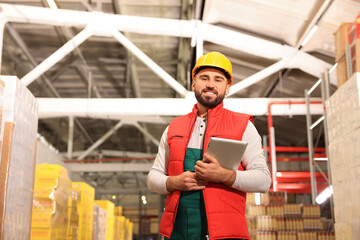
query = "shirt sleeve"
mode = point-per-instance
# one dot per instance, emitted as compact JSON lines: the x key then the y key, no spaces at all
{"x":158,"y":174}
{"x":256,"y":177}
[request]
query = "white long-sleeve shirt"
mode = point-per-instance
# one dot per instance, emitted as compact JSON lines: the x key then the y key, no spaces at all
{"x":256,"y":177}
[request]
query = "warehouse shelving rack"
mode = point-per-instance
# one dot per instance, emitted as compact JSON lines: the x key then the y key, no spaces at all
{"x":325,"y":94}
{"x":288,"y":181}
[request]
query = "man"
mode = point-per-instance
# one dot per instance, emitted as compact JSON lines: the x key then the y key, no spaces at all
{"x":205,"y":200}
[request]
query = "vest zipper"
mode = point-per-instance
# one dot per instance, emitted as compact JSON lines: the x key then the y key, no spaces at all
{"x":191,"y":129}
{"x":203,"y":191}
{"x":203,"y":141}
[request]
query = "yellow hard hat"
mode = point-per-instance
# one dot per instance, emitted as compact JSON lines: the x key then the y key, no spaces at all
{"x":216,"y":60}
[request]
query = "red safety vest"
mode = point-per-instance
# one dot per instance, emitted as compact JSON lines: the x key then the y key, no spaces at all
{"x":225,"y":206}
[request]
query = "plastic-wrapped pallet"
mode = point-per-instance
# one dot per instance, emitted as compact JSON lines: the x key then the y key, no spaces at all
{"x":95,"y":235}
{"x":102,"y":224}
{"x":119,"y":231}
{"x":110,"y":218}
{"x":86,"y":195}
{"x":129,"y":227}
{"x":19,"y":120}
{"x":52,"y":188}
{"x":343,"y":118}
{"x":99,"y":228}
{"x":118,"y":211}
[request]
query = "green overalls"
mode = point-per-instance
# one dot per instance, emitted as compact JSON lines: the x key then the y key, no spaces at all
{"x":190,"y":222}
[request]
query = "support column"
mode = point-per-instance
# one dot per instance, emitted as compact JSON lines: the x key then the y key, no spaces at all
{"x":70,"y":137}
{"x":311,"y":149}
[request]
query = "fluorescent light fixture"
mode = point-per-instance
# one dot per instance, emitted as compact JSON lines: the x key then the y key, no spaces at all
{"x":321,"y":159}
{"x":317,"y":122}
{"x":315,"y":86}
{"x":333,"y":67}
{"x":52,"y":4}
{"x":310,"y":34}
{"x":257,"y":198}
{"x":324,"y":195}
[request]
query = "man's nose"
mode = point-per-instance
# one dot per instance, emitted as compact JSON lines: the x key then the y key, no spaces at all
{"x":210,"y":83}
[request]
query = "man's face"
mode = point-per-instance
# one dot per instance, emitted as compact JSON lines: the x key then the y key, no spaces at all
{"x":210,"y":87}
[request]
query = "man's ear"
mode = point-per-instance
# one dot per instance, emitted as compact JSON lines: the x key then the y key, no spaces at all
{"x":193,"y":85}
{"x":227,"y":89}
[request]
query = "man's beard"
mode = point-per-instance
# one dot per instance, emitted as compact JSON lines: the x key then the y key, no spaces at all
{"x":206,"y":102}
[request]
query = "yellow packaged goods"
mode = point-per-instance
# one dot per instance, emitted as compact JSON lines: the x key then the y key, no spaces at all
{"x":52,"y":189}
{"x":48,"y":233}
{"x":85,"y":193}
{"x":118,"y":211}
{"x":73,"y":217}
{"x":48,"y":214}
{"x":85,"y":208}
{"x":120,"y":224}
{"x":52,"y":183}
{"x":129,"y":229}
{"x":110,"y":220}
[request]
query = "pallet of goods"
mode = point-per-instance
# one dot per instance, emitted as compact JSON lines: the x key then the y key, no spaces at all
{"x":18,"y":137}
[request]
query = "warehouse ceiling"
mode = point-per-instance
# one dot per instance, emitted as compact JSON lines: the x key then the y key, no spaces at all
{"x":262,"y":38}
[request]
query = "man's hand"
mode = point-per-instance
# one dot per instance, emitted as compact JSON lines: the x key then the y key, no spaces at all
{"x":209,"y":170}
{"x":187,"y":181}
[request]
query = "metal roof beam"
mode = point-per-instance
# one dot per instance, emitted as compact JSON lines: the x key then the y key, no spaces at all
{"x":110,"y":167}
{"x":101,"y":140}
{"x":168,"y":27}
{"x":112,"y":153}
{"x":133,"y":108}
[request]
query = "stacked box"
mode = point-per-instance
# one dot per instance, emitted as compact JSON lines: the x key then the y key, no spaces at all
{"x":18,"y":131}
{"x":99,"y":226}
{"x":73,"y":216}
{"x":110,"y":218}
{"x":266,"y":235}
{"x":2,"y":99}
{"x":288,"y":235}
{"x":307,"y":236}
{"x":95,"y":235}
{"x":285,"y":221}
{"x":85,"y":207}
{"x":118,"y":211}
{"x":292,"y":210}
{"x":354,"y":42}
{"x":276,"y":210}
{"x":102,"y":224}
{"x":273,"y":198}
{"x":52,"y":188}
{"x":129,"y":227}
{"x":326,"y":236}
{"x":341,"y":40}
{"x":119,"y":231}
{"x":343,"y":118}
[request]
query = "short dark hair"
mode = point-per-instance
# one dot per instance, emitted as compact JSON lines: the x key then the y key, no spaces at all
{"x":227,"y":75}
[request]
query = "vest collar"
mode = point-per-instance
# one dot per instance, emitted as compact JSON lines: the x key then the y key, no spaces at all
{"x":211,"y":112}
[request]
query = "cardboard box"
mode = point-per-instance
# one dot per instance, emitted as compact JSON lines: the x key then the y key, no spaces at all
{"x":341,"y":39}
{"x":341,"y":72}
